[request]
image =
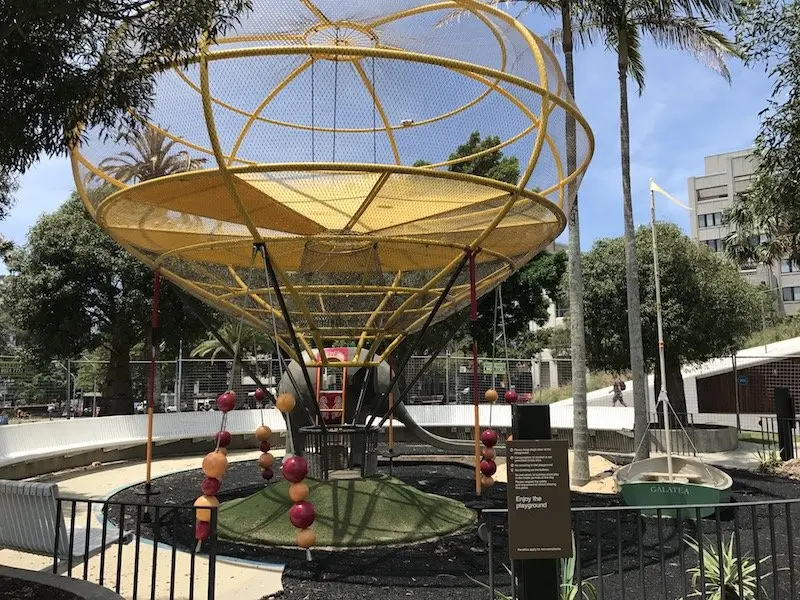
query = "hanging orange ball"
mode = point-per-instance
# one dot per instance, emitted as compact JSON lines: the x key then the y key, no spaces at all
{"x":306,"y":538}
{"x":488,"y":453}
{"x":298,"y":492}
{"x":202,"y":506}
{"x":487,"y":482}
{"x":263,"y":433}
{"x":285,"y":402}
{"x":266,"y":460}
{"x":223,"y":451}
{"x":490,"y":396}
{"x":215,"y":464}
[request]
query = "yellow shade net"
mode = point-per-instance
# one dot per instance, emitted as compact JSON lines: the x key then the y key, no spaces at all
{"x":324,"y":131}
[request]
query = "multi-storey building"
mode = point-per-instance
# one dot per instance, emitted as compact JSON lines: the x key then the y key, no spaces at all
{"x":725,"y":176}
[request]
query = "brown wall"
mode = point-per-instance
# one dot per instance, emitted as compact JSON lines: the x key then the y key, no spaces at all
{"x":717,"y":393}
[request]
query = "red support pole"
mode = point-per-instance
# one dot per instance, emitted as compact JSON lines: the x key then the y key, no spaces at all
{"x":473,"y":316}
{"x":155,"y":340}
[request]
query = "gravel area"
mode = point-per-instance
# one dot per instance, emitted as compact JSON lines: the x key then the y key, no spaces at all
{"x":12,"y":588}
{"x":439,"y":569}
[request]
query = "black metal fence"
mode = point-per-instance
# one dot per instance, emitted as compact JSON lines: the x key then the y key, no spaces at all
{"x":134,"y":548}
{"x":771,"y":439}
{"x":742,"y":551}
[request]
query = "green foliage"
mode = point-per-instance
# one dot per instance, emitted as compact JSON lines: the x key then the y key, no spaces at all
{"x":89,"y":61}
{"x":721,"y":573}
{"x":492,"y":165}
{"x":73,"y":289}
{"x":769,"y":34}
{"x":569,"y":588}
{"x":768,"y":460}
{"x":698,"y":289}
{"x":594,"y":381}
{"x":782,"y":330}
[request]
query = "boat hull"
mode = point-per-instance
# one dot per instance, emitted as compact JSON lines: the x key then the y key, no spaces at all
{"x":661,"y":493}
{"x":646,"y":483}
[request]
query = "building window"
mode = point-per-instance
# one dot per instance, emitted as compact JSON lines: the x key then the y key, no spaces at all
{"x":712,"y":193}
{"x":789,"y":266}
{"x":791,"y":294}
{"x":709,"y":220}
{"x":748,"y":266}
{"x":715,"y":245}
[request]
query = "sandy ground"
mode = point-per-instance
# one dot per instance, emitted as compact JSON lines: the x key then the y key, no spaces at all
{"x":235,"y":579}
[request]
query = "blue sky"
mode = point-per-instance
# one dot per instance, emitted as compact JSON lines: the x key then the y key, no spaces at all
{"x":685,"y":113}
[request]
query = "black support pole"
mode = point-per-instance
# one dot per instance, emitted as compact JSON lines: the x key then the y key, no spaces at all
{"x":536,"y":579}
{"x":273,"y":281}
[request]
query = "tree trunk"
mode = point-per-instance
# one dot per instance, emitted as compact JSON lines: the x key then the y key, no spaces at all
{"x":117,"y":395}
{"x":580,"y":425}
{"x":631,"y":267}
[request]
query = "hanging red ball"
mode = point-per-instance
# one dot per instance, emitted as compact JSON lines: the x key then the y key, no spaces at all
{"x":302,"y":514}
{"x":223,"y":438}
{"x":210,"y":486}
{"x":489,"y":438}
{"x":488,"y":467}
{"x":265,"y":447}
{"x":202,"y":530}
{"x":295,"y":469}
{"x":232,"y":394}
{"x":226,"y":402}
{"x":510,"y":396}
{"x":259,"y":395}
{"x":267,"y":473}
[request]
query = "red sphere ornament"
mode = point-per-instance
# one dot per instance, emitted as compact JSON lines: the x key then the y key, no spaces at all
{"x":265,"y":447}
{"x":210,"y":486}
{"x":259,"y":395}
{"x":302,"y":514}
{"x":223,"y":438}
{"x":488,"y":467}
{"x":295,"y":469}
{"x":232,"y":394}
{"x":489,"y":438}
{"x":267,"y":473}
{"x":202,"y":530}
{"x":510,"y":396}
{"x":226,"y":402}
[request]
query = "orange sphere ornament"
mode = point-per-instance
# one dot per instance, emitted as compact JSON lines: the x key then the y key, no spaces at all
{"x":306,"y":538}
{"x":490,"y":396}
{"x":285,"y":402}
{"x":263,"y":433}
{"x":488,"y":453}
{"x":215,"y":464}
{"x":487,"y":482}
{"x":223,"y":451}
{"x":266,"y":460}
{"x":298,"y":492}
{"x":202,"y":507}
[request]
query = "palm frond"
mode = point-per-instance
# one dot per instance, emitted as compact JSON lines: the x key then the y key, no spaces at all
{"x":696,"y":36}
{"x":633,"y":39}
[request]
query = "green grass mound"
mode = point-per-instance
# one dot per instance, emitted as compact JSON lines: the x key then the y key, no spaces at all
{"x":350,"y":513}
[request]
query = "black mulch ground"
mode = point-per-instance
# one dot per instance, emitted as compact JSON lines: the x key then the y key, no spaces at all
{"x":639,"y":558}
{"x":18,"y":589}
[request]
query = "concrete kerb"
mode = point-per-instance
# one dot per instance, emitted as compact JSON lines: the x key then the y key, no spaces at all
{"x":83,"y":589}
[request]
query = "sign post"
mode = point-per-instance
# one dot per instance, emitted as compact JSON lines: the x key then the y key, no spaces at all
{"x":539,"y":518}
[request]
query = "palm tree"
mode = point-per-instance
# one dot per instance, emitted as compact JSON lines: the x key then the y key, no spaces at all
{"x":151,"y":156}
{"x":579,"y":473}
{"x":237,"y":337}
{"x":621,"y":26}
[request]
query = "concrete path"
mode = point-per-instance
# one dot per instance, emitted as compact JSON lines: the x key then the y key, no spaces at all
{"x":234,"y":578}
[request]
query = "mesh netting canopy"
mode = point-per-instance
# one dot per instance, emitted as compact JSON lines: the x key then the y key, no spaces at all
{"x":325,"y":130}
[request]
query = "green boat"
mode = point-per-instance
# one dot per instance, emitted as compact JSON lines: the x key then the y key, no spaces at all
{"x":648,"y":483}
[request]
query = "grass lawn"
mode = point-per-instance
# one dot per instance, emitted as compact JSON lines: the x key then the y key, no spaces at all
{"x":350,"y":512}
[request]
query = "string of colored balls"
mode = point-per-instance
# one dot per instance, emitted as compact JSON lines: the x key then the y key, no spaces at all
{"x":294,"y":469}
{"x":489,"y":439}
{"x":214,"y":466}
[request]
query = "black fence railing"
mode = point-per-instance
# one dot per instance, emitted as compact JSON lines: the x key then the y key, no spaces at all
{"x":743,"y":551}
{"x":138,"y":550}
{"x":771,"y":438}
